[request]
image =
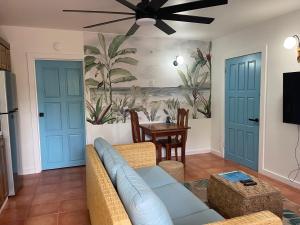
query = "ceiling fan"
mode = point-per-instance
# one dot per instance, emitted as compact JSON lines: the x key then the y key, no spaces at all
{"x":151,"y":13}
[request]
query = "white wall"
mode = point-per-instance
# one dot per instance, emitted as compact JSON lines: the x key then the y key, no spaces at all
{"x":24,"y":42}
{"x":277,"y":140}
{"x":28,"y":44}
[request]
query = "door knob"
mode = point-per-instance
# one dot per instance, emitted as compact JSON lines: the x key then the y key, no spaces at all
{"x":254,"y":120}
{"x":41,"y":114}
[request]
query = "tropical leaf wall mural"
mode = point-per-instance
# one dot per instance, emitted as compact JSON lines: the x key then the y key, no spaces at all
{"x":123,"y":73}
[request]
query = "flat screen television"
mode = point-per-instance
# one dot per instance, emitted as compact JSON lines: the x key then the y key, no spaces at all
{"x":291,"y":98}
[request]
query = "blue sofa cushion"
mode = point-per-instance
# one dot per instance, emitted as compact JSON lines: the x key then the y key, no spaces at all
{"x":112,"y":161}
{"x":101,"y":146}
{"x":155,"y":176}
{"x":179,"y":201}
{"x":204,"y":217}
{"x":141,"y":204}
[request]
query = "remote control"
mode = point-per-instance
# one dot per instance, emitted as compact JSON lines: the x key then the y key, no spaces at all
{"x":250,"y":183}
{"x":246,"y":181}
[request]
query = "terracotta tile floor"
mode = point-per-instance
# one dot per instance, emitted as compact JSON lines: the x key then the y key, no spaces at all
{"x":54,"y":197}
{"x":57,"y":197}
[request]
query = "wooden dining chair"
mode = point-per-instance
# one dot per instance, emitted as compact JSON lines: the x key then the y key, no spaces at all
{"x":136,"y":134}
{"x":178,"y":141}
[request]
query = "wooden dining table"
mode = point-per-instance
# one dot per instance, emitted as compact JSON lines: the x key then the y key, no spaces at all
{"x":156,"y":130}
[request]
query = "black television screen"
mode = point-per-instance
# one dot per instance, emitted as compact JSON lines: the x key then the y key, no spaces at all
{"x":291,"y":97}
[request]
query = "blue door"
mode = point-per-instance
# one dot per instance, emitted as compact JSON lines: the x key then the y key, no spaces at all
{"x":242,"y":87}
{"x":61,"y":113}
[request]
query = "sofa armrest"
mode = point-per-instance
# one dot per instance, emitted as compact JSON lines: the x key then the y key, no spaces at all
{"x":138,"y":155}
{"x":260,"y":218}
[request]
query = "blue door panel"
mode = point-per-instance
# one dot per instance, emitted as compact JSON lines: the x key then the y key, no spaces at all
{"x":231,"y":141}
{"x":240,"y":143}
{"x":241,"y":77}
{"x":250,"y":146}
{"x":61,"y":99}
{"x":74,"y":82}
{"x":51,"y":82}
{"x":75,"y":112}
{"x":75,"y":143}
{"x":242,"y":95}
{"x":232,"y":77}
{"x":53,"y":112}
{"x":54,"y":149}
{"x":241,"y":110}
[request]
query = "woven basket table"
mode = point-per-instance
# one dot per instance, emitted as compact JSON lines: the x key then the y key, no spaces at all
{"x":234,"y":199}
{"x":174,"y":168}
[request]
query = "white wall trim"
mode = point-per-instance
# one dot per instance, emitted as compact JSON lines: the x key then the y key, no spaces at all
{"x":218,"y":153}
{"x":263,"y":49}
{"x":31,"y":58}
{"x":194,"y":151}
{"x":281,"y":178}
{"x":3,"y":206}
{"x":27,"y":171}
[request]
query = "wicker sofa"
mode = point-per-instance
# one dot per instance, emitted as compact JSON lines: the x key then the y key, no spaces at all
{"x":104,"y":204}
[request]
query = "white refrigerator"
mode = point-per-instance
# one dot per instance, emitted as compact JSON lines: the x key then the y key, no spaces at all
{"x":9,"y":129}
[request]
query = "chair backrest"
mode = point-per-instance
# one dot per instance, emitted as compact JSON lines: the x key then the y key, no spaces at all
{"x":182,"y":117}
{"x":136,"y":134}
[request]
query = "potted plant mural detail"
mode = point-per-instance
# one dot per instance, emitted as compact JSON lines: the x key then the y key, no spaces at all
{"x":105,"y":63}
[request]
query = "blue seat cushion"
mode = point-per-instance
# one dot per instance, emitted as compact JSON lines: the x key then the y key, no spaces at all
{"x":204,"y":217}
{"x":112,"y":161}
{"x":142,"y":205}
{"x":101,"y":146}
{"x":155,"y":176}
{"x":179,"y":201}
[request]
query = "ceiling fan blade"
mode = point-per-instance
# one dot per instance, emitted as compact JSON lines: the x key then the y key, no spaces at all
{"x":156,"y":4}
{"x":186,"y":18}
{"x":113,"y":21}
{"x":164,"y":27}
{"x":133,"y":29}
{"x":191,"y":6}
{"x":96,"y":11}
{"x":128,"y":4}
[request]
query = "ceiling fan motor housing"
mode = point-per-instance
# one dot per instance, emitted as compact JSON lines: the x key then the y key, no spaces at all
{"x":144,"y":10}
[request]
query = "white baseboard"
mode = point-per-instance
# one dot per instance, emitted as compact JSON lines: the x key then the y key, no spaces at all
{"x":29,"y":171}
{"x":191,"y":151}
{"x":218,"y":153}
{"x":281,"y":178}
{"x":197,"y":151}
{"x":2,"y":207}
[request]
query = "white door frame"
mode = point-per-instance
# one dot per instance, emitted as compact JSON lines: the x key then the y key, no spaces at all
{"x":263,"y":98}
{"x":31,"y":58}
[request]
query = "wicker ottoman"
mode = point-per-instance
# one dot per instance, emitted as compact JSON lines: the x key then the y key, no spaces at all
{"x":234,"y":199}
{"x":174,"y":168}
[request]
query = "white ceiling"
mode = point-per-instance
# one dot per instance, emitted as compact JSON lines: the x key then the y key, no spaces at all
{"x":234,"y":16}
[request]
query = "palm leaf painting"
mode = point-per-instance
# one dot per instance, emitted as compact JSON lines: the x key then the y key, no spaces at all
{"x":171,"y":108}
{"x":105,"y":62}
{"x":196,"y":78}
{"x":99,"y":114}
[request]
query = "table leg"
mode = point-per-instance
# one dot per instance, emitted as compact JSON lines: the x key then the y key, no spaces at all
{"x":183,"y":154}
{"x":158,"y":151}
{"x":168,"y":152}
